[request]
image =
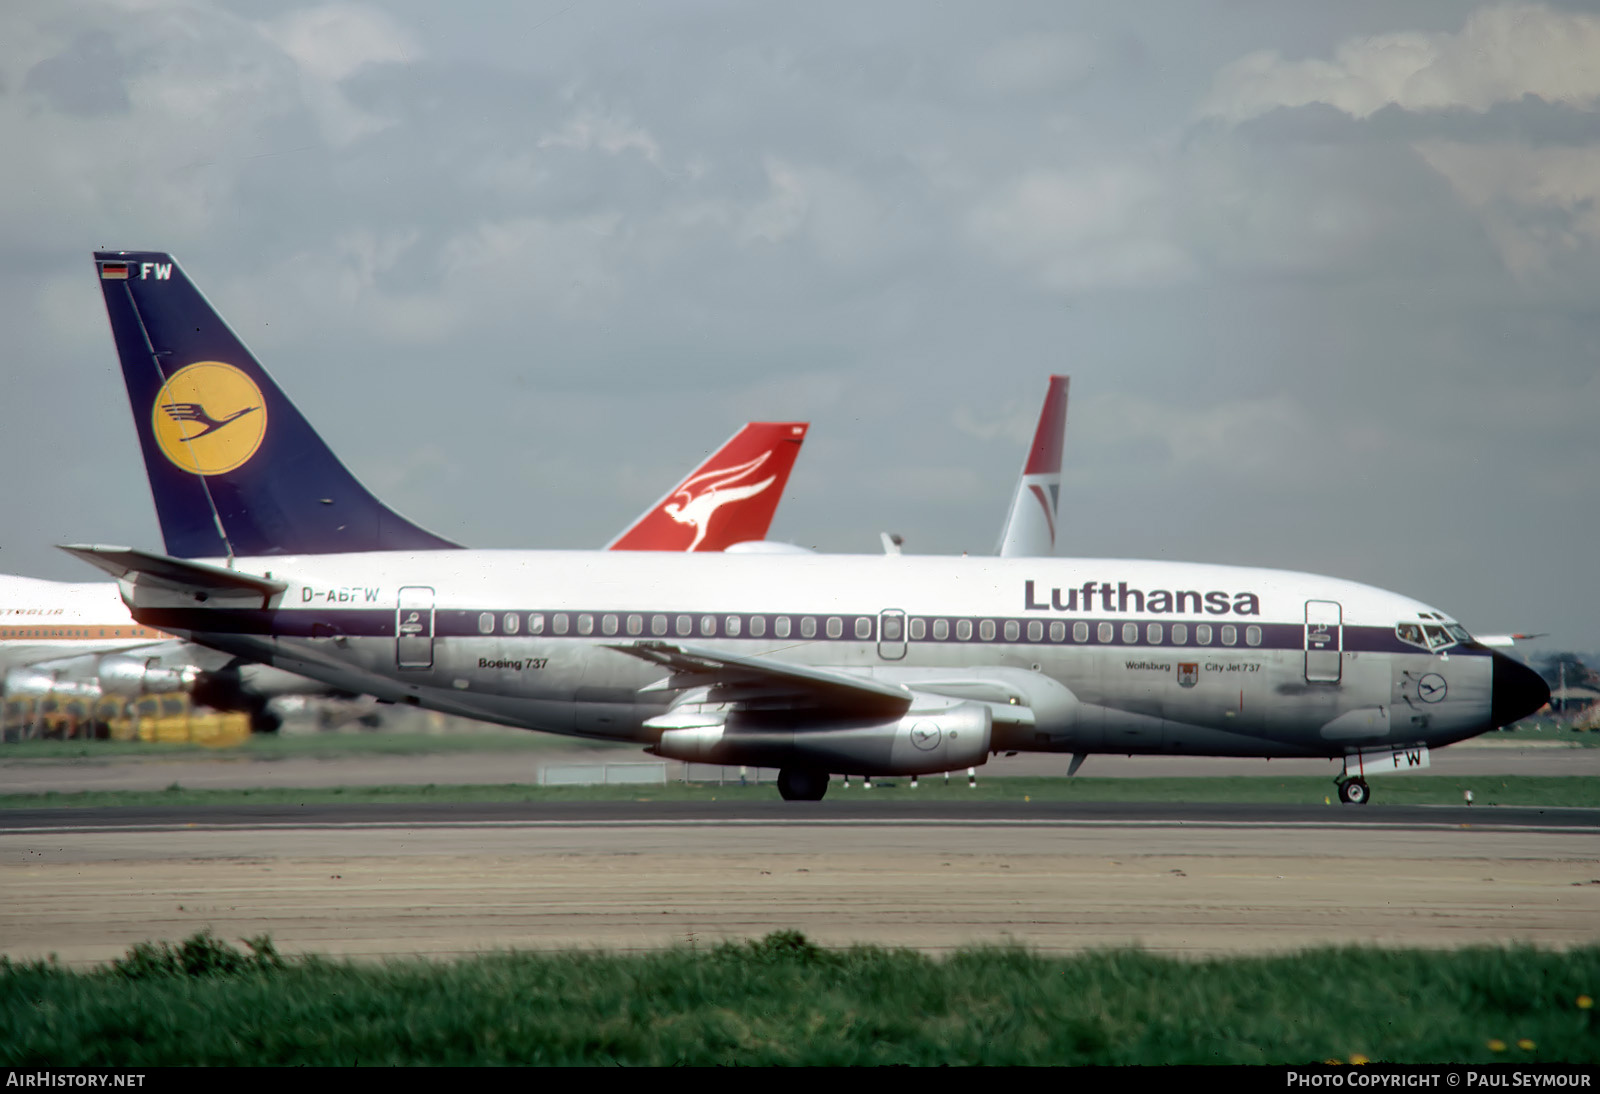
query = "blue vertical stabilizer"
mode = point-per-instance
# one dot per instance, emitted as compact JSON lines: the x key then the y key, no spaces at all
{"x":234,"y":468}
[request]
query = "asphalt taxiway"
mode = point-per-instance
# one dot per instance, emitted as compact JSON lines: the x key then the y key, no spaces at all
{"x":439,"y":880}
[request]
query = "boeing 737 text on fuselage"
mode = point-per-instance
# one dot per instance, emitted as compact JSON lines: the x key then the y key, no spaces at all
{"x":815,"y":664}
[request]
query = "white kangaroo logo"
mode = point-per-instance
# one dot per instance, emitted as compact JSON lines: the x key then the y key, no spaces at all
{"x":699,"y":498}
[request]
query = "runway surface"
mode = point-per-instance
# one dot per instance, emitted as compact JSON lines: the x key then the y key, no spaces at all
{"x":383,"y":881}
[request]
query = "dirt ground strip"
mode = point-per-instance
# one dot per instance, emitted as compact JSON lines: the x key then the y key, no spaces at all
{"x":87,"y":896}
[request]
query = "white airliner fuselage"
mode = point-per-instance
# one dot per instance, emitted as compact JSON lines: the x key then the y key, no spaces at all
{"x":931,"y":663}
{"x":47,"y":619}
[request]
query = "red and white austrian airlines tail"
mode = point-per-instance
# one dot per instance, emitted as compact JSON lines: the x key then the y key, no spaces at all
{"x":1030,"y":528}
{"x":728,"y":499}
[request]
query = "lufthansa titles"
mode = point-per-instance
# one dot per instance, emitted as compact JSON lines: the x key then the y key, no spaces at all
{"x":1103,"y":596}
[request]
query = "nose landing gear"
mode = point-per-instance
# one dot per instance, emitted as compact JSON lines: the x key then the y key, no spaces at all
{"x":1354,"y":791}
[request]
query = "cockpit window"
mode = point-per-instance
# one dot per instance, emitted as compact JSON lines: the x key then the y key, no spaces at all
{"x":1430,"y":636}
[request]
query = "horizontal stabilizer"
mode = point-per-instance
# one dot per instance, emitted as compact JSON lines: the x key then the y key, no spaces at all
{"x":197,"y":579}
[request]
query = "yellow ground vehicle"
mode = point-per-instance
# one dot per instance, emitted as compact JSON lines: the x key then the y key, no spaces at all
{"x":173,"y":719}
{"x":164,"y":719}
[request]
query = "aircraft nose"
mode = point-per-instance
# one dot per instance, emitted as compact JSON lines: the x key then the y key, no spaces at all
{"x":1517,"y":692}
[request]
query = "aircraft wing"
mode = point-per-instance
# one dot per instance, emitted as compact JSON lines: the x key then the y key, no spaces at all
{"x":755,"y":683}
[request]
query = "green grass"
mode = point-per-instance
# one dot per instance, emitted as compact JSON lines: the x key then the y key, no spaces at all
{"x":274,"y":746}
{"x":1488,"y":790}
{"x":1544,"y":729}
{"x":783,"y":1000}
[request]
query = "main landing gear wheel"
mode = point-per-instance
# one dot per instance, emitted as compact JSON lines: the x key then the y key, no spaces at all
{"x":1354,"y":792}
{"x":802,"y":784}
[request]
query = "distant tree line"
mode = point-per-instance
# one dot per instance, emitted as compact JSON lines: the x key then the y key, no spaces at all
{"x":1568,"y":669}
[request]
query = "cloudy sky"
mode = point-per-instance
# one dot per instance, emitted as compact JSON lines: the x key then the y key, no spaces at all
{"x":1324,"y":275}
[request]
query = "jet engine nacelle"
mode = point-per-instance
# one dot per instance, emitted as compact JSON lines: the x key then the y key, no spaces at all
{"x":919,"y":743}
{"x":130,"y":677}
{"x":32,"y":683}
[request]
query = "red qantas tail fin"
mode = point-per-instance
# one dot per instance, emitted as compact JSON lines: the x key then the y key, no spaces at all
{"x":728,"y":499}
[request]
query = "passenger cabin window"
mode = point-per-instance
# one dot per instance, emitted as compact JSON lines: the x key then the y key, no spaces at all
{"x":536,"y":623}
{"x":941,"y":629}
{"x":780,"y":626}
{"x":635,"y":624}
{"x":1058,"y":631}
{"x":1106,"y":632}
{"x":1152,"y":634}
{"x":1230,"y":634}
{"x":558,"y":622}
{"x":1130,"y":633}
{"x":658,"y":624}
{"x":512,"y":623}
{"x":919,"y":629}
{"x":486,"y":623}
{"x":585,"y":623}
{"x":835,"y":626}
{"x":1202,"y":634}
{"x":731,"y":626}
{"x":1180,"y":634}
{"x":685,"y":625}
{"x":758,"y":626}
{"x":1035,"y":630}
{"x":1013,"y":630}
{"x":708,"y":625}
{"x":808,"y":626}
{"x":609,"y":624}
{"x":964,"y":629}
{"x":1080,"y":631}
{"x":1252,"y":635}
{"x":986,"y":630}
{"x":864,"y":628}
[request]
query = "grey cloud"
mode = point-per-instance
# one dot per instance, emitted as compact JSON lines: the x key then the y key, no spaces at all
{"x":87,"y":78}
{"x":575,"y":255}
